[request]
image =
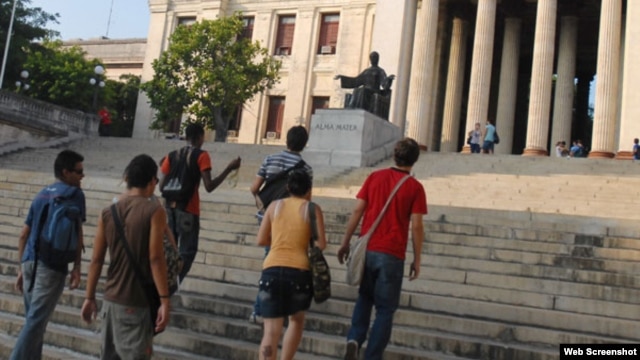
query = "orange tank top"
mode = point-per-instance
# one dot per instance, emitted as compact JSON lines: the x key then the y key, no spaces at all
{"x":290,"y":235}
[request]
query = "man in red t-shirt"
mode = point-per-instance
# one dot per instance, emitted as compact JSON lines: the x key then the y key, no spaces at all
{"x":384,"y":263}
{"x":104,"y":129}
{"x":184,"y":219}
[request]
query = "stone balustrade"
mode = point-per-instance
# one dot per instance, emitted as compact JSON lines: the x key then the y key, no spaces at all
{"x":41,"y":118}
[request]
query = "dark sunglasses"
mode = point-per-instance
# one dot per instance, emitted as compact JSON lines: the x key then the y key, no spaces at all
{"x":78,"y":171}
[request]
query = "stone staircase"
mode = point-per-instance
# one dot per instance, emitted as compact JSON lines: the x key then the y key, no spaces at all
{"x":527,"y":264}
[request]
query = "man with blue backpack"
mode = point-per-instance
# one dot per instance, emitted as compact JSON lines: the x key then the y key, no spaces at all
{"x":50,"y":240}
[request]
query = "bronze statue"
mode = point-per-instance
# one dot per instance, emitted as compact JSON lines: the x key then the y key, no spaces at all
{"x":372,"y":89}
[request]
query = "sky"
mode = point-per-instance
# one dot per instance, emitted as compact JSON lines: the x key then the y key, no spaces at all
{"x":88,"y":19}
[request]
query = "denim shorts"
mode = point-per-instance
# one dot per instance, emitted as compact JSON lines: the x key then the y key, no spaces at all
{"x":284,"y":291}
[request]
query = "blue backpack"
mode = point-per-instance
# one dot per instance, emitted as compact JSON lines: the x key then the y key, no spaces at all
{"x":59,"y":234}
{"x":58,"y":223}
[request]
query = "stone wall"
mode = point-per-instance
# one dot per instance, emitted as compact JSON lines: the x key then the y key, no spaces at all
{"x":43,"y":119}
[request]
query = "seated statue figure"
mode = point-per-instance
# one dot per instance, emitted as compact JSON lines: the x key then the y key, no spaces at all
{"x":372,"y":89}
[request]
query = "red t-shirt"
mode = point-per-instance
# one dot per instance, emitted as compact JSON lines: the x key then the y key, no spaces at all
{"x":392,"y":234}
{"x":105,"y":117}
{"x":204,"y":163}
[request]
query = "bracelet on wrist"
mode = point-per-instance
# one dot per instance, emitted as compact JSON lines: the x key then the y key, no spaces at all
{"x":165,"y":296}
{"x":90,"y":298}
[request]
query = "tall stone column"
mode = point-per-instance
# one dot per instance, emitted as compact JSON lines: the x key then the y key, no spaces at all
{"x":563,"y":103}
{"x":605,"y":112}
{"x":439,"y":80}
{"x":480,"y":86}
{"x":630,"y":107}
{"x":455,"y":83}
{"x":395,"y":45}
{"x":422,"y":74}
{"x":508,"y":84}
{"x":159,"y":30}
{"x":541,"y":79}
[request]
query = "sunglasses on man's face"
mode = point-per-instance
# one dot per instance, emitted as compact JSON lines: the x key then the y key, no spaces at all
{"x":78,"y":171}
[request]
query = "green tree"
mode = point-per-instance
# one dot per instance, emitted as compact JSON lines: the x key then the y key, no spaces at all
{"x":61,"y":76}
{"x":29,"y":26}
{"x":121,"y":100}
{"x":209,"y":70}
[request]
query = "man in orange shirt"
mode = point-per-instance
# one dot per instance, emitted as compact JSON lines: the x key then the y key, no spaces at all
{"x":184,"y":216}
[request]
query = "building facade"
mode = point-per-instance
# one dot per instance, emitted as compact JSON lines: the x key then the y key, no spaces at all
{"x":526,"y":65}
{"x":119,"y":56}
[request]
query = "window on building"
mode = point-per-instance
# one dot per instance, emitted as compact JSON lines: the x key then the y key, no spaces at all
{"x":276,"y":115}
{"x":247,"y":27}
{"x":234,"y":124}
{"x":319,"y":102}
{"x":186,"y":20}
{"x":328,"y":34}
{"x":284,"y":39}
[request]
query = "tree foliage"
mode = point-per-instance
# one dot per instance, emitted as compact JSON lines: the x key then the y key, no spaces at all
{"x":29,"y":26}
{"x":61,"y":76}
{"x":121,"y":99}
{"x":209,"y":70}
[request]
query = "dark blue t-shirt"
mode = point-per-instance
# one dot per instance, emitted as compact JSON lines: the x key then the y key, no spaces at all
{"x":56,"y":189}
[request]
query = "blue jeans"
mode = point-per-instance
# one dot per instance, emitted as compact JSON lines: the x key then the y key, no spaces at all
{"x":380,"y":287}
{"x":39,"y":304}
{"x":186,"y":229}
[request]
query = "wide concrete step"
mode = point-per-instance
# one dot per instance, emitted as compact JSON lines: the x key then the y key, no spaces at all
{"x":230,"y":256}
{"x":49,"y":352}
{"x":217,"y":325}
{"x":59,"y":339}
{"x":239,"y":202}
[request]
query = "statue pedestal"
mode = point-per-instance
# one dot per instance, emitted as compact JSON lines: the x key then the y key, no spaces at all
{"x":349,"y":137}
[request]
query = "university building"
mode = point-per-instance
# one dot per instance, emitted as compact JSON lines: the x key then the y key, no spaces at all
{"x":527,"y":65}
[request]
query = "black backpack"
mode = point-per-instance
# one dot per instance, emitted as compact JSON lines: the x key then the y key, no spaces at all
{"x":275,"y":188}
{"x":184,"y":176}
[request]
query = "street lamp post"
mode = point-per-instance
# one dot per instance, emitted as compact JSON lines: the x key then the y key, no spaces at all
{"x":6,"y":45}
{"x":98,"y":83}
{"x":24,"y":83}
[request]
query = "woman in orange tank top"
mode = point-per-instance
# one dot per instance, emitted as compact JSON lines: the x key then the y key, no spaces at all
{"x":285,"y":283}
